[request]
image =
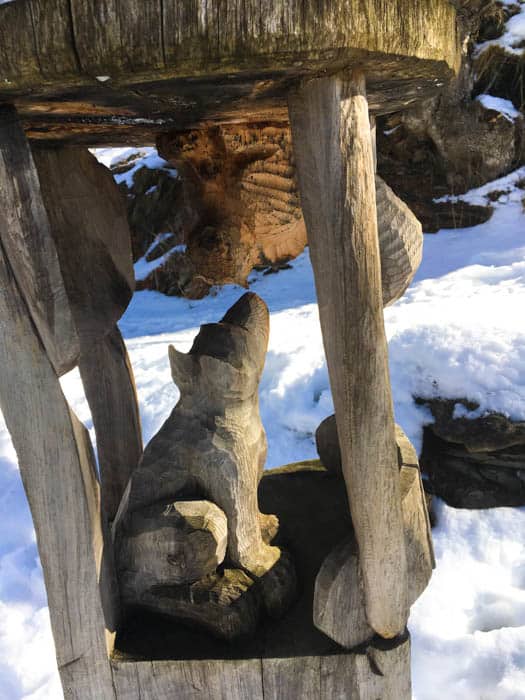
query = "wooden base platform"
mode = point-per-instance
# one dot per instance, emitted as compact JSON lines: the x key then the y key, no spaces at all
{"x":288,"y":658}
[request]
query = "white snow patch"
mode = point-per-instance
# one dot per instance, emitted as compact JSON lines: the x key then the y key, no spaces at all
{"x":143,"y":267}
{"x":513,"y":38}
{"x":498,"y":104}
{"x":137,"y":158}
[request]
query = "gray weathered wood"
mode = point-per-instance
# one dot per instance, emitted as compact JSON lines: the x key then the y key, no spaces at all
{"x":86,"y":71}
{"x":331,"y":133}
{"x":26,"y":239}
{"x":189,"y":680}
{"x":339,"y":601}
{"x":90,"y":230}
{"x":88,"y":220}
{"x":400,"y":242}
{"x":111,"y":393}
{"x":57,"y":469}
{"x":374,"y":674}
{"x":214,"y":439}
{"x":169,"y":545}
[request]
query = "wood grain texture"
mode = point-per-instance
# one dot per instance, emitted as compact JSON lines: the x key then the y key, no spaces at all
{"x":189,"y":680}
{"x":400,"y":242}
{"x":370,"y":675}
{"x":331,"y":133}
{"x":53,"y":38}
{"x":107,"y":34}
{"x":169,"y":545}
{"x":111,"y":393}
{"x":57,"y":468}
{"x":339,"y":608}
{"x":214,"y":437}
{"x":26,"y":238}
{"x":174,"y":64}
{"x":88,"y":220}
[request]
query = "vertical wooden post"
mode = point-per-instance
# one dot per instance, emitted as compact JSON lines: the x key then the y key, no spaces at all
{"x":53,"y":447}
{"x":111,"y":393}
{"x":333,"y":151}
{"x":89,"y":225}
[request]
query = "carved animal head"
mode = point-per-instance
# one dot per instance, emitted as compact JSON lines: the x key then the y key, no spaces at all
{"x":226,"y":360}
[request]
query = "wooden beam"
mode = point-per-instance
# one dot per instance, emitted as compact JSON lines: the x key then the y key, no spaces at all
{"x":57,"y":469}
{"x":333,"y":150}
{"x":26,"y":238}
{"x":53,"y":448}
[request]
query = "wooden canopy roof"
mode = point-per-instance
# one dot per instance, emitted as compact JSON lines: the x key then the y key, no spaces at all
{"x":120,"y":71}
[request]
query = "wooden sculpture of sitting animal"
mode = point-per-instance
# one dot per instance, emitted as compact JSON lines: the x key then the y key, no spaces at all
{"x":213,"y":446}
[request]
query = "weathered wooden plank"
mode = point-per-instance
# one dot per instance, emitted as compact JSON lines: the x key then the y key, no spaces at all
{"x":331,"y":133}
{"x":98,"y":40}
{"x":111,"y":393}
{"x":374,"y":675}
{"x":53,"y":35}
{"x":234,"y":679}
{"x":18,"y":58}
{"x":369,"y":675}
{"x":58,"y":472}
{"x":141,"y":34}
{"x":295,"y":677}
{"x":26,"y":238}
{"x":89,"y":225}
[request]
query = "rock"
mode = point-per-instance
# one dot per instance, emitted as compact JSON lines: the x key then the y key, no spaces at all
{"x":474,"y":462}
{"x":225,"y":604}
{"x":339,"y":601}
{"x":168,"y":544}
{"x":451,"y":143}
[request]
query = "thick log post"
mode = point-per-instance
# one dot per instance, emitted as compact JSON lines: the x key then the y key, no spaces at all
{"x":26,"y":239}
{"x":333,"y":150}
{"x":53,"y":448}
{"x":111,"y":393}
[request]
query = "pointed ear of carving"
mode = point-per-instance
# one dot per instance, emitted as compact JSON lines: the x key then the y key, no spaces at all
{"x":181,"y":365}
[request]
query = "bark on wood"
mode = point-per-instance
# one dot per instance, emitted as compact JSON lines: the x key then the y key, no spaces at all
{"x":26,"y":239}
{"x":57,"y":468}
{"x":331,"y":132}
{"x":111,"y":393}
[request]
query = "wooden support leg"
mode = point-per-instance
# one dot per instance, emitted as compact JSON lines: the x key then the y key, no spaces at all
{"x":91,"y":233}
{"x":56,"y":464}
{"x":333,"y":150}
{"x":110,"y":390}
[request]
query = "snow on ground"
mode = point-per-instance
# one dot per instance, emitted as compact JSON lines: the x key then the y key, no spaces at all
{"x":498,"y":104}
{"x":457,"y":332}
{"x":513,"y":38}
